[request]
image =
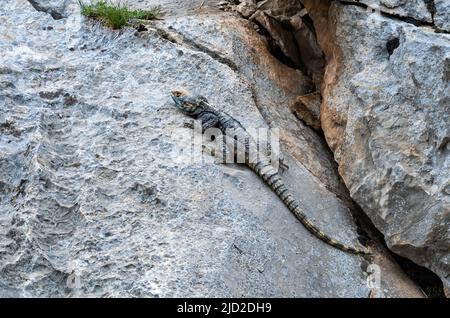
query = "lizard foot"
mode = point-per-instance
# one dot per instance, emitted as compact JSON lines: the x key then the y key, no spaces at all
{"x":188,"y":125}
{"x":283,"y":166}
{"x":209,"y":150}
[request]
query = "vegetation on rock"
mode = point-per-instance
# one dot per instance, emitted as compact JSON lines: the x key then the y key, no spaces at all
{"x":116,"y":15}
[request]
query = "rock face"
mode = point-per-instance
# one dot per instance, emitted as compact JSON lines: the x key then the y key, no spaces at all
{"x":442,"y":14}
{"x":98,"y":196}
{"x":418,"y":10}
{"x":386,"y":115}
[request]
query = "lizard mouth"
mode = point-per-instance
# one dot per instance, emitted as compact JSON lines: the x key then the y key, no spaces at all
{"x":176,"y":95}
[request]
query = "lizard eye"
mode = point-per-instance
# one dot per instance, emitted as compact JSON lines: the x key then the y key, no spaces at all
{"x":177,"y":93}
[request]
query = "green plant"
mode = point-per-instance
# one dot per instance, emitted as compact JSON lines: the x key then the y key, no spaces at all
{"x":116,"y":15}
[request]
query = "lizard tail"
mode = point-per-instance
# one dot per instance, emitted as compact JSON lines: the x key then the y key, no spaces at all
{"x":272,"y":178}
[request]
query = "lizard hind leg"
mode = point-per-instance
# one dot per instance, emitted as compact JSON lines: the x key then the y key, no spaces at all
{"x":217,"y":148}
{"x":283,"y":167}
{"x":279,"y":163}
{"x":276,"y":159}
{"x":209,"y":149}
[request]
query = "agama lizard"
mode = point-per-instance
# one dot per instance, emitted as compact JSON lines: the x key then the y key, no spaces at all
{"x":199,"y":108}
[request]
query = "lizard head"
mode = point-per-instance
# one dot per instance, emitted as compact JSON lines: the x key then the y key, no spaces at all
{"x":188,"y":104}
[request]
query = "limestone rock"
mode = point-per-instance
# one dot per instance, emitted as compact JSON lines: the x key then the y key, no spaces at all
{"x":442,"y":14}
{"x":386,"y":116}
{"x":246,"y":8}
{"x":410,"y":9}
{"x":98,"y":192}
{"x":307,"y":108}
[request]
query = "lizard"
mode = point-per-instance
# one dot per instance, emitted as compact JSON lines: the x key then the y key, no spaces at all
{"x":198,"y":108}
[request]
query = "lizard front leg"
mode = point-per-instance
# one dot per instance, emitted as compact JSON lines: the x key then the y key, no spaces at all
{"x":282,"y":166}
{"x":207,"y":121}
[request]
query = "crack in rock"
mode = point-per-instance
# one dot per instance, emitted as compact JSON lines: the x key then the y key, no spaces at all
{"x":56,"y":14}
{"x":180,"y":39}
{"x":394,"y":16}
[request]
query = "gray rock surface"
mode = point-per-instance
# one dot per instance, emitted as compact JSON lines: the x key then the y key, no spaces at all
{"x":386,"y":115}
{"x":442,"y":14}
{"x":56,"y":8}
{"x":435,"y":13}
{"x":415,"y":9}
{"x":97,"y":197}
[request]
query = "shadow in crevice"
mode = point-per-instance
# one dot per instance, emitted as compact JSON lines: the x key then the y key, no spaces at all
{"x":428,"y":281}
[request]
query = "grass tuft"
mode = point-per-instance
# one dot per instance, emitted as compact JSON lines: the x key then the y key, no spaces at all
{"x":116,"y":15}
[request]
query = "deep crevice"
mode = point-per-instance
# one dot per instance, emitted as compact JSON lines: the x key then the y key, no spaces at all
{"x":303,"y":53}
{"x":276,"y":51}
{"x":392,"y":45}
{"x":299,"y":55}
{"x":428,"y":281}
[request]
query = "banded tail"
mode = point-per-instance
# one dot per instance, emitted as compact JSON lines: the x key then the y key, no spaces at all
{"x":266,"y":171}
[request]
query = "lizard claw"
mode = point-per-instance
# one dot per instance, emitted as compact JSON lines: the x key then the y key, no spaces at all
{"x":283,"y":167}
{"x":188,"y":125}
